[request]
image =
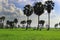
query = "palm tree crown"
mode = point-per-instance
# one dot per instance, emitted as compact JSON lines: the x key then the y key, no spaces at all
{"x":49,"y":5}
{"x":28,"y":10}
{"x":38,"y":8}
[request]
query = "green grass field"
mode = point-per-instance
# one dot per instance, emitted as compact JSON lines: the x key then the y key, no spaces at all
{"x":22,"y":34}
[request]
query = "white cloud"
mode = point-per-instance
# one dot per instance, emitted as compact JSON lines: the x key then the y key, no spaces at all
{"x":22,"y":0}
{"x":9,"y":9}
{"x":0,"y":8}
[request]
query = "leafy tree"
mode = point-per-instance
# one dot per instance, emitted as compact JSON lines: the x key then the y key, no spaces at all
{"x":59,"y":24}
{"x":29,"y":22}
{"x":15,"y":21}
{"x":28,"y":10}
{"x":7,"y":24}
{"x":2,"y":21}
{"x":23,"y":23}
{"x":1,"y":25}
{"x":10,"y":23}
{"x":56,"y":26}
{"x":49,"y":5}
{"x":42,"y":23}
{"x":38,"y":10}
{"x":18,"y":26}
{"x":3,"y":18}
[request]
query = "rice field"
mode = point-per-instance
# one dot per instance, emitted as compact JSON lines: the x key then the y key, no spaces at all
{"x":22,"y":34}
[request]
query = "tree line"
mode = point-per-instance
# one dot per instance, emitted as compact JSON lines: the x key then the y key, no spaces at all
{"x":38,"y":9}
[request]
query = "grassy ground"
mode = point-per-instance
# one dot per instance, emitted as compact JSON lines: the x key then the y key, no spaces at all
{"x":22,"y":34}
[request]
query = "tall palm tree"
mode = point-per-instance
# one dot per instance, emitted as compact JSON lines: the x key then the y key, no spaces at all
{"x":42,"y":23}
{"x":38,"y":10}
{"x":49,"y":5}
{"x":28,"y":10}
{"x":23,"y":23}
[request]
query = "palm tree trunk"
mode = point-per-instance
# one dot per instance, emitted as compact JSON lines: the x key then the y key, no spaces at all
{"x":38,"y":23}
{"x":48,"y":21}
{"x":27,"y":23}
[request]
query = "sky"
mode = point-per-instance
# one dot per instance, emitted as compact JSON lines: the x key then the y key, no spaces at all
{"x":14,"y":9}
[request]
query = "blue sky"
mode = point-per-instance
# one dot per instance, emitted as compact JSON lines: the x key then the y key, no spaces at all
{"x":14,"y":8}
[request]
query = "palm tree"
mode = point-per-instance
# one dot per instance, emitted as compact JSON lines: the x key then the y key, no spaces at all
{"x":38,"y":10}
{"x":49,"y":5}
{"x":42,"y":23}
{"x":56,"y":26}
{"x":28,"y":10}
{"x":29,"y":22}
{"x":23,"y":23}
